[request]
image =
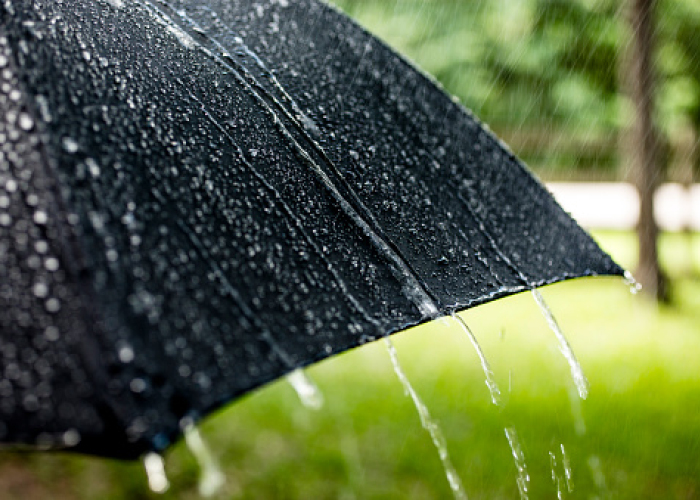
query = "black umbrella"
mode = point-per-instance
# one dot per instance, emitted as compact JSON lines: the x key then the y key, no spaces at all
{"x":197,"y":197}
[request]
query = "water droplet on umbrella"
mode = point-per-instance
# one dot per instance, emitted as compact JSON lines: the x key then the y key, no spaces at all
{"x":125,"y":353}
{"x":71,"y":438}
{"x":40,"y":217}
{"x":70,"y":144}
{"x":40,"y":290}
{"x":51,"y":333}
{"x":137,"y":385}
{"x":53,"y":305}
{"x":26,"y":122}
{"x":51,"y":264}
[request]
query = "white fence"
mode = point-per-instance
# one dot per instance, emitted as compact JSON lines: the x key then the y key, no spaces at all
{"x":616,"y":205}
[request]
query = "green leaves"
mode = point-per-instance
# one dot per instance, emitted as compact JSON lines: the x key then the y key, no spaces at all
{"x":545,"y":65}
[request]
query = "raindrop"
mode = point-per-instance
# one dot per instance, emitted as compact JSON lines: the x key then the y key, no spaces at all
{"x":51,"y":333}
{"x":577,"y":412}
{"x":53,"y":305}
{"x":137,"y":385}
{"x":51,"y":264}
{"x":211,"y":479}
{"x":155,"y":471}
{"x":26,"y":122}
{"x":488,"y":373}
{"x":70,"y":144}
{"x":126,"y":354}
{"x":40,"y":290}
{"x":576,"y":370}
{"x":634,"y":286}
{"x":43,"y":105}
{"x":596,"y":467}
{"x":428,"y":424}
{"x":523,"y":477}
{"x":71,"y":438}
{"x":553,"y":465}
{"x":40,"y":217}
{"x":41,"y":246}
{"x":307,"y":390}
{"x":567,"y":469}
{"x":93,"y":167}
{"x":555,"y":476}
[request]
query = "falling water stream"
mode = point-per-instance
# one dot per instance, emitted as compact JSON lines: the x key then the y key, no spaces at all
{"x":488,"y":373}
{"x":307,"y":390}
{"x":559,"y":482}
{"x":211,"y":478}
{"x":155,"y":472}
{"x":576,"y":370}
{"x":428,"y":424}
{"x":523,"y":479}
{"x":566,"y":463}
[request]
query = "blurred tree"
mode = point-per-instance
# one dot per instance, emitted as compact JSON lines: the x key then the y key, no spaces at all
{"x":641,"y":148}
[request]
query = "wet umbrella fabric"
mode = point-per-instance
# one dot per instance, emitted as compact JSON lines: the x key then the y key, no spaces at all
{"x":197,"y":197}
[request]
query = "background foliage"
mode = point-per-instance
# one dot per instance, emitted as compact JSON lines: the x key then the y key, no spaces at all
{"x":544,"y":74}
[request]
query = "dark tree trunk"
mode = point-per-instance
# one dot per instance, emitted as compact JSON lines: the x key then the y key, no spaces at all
{"x":642,"y":149}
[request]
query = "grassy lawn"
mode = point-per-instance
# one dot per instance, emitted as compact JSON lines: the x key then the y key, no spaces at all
{"x":636,"y":436}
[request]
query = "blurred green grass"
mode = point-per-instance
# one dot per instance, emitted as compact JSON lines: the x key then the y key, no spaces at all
{"x":642,"y":430}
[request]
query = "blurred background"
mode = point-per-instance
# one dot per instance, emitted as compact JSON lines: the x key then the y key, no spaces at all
{"x":601,"y":98}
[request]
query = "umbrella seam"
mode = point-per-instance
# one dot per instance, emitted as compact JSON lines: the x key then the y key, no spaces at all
{"x":417,"y":290}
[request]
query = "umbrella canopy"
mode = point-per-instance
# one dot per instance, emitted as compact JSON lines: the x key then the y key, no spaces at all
{"x":197,"y":197}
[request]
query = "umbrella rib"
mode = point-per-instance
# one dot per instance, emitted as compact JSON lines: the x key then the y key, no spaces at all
{"x":414,"y":288}
{"x":302,"y":128}
{"x":236,"y":296}
{"x":232,"y":291}
{"x":492,"y":241}
{"x":288,"y":211}
{"x":355,"y":200}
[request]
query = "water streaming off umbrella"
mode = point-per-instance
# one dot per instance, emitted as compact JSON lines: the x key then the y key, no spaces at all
{"x":429,"y":424}
{"x":155,"y":471}
{"x":211,"y":477}
{"x":523,"y":478}
{"x":488,"y":373}
{"x":306,"y":389}
{"x":568,"y":353}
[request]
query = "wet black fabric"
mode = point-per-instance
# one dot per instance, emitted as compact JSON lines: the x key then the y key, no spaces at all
{"x":198,"y":196}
